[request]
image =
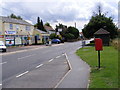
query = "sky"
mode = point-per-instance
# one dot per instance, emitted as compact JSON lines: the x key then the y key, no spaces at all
{"x":66,"y":12}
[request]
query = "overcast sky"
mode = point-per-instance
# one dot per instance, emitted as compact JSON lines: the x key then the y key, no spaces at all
{"x":58,"y":11}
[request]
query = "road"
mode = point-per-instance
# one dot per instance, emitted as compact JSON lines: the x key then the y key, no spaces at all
{"x":22,"y":63}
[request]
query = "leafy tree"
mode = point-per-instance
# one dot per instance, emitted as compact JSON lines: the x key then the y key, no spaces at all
{"x":64,"y":30}
{"x":69,"y":36}
{"x":69,"y":33}
{"x":52,"y":35}
{"x":14,"y":16}
{"x":39,"y":24}
{"x":97,"y":21}
{"x":47,"y":24}
{"x":74,"y":31}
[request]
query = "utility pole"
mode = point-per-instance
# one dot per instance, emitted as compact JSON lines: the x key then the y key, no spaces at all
{"x":75,"y":24}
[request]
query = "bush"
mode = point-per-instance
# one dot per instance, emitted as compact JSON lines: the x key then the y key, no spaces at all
{"x":52,"y":36}
{"x":69,"y":36}
{"x":115,"y":43}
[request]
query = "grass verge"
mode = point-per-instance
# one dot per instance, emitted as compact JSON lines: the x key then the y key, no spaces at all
{"x":107,"y":76}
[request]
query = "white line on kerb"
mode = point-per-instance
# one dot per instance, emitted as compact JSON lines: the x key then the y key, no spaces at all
{"x":3,"y":63}
{"x":22,"y":74}
{"x":50,"y":60}
{"x":27,"y":56}
{"x":57,"y":56}
{"x":66,"y":73}
{"x":39,"y":66}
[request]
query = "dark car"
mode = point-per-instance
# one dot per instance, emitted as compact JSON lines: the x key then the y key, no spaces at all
{"x":56,"y":41}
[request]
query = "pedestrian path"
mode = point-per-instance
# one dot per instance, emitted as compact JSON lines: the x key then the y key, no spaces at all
{"x":78,"y":77}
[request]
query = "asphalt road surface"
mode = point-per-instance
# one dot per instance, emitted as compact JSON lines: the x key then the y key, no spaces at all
{"x":23,"y":69}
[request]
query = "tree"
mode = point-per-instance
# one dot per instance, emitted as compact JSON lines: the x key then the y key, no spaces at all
{"x":69,"y":36}
{"x":74,"y":31}
{"x":14,"y":16}
{"x":71,"y":33}
{"x":39,"y":24}
{"x":97,"y":21}
{"x":64,"y":30}
{"x":52,"y":35}
{"x":68,"y":33}
{"x":47,"y":24}
{"x":42,"y":27}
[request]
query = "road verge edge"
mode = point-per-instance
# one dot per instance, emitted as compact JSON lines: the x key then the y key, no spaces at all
{"x":70,"y":68}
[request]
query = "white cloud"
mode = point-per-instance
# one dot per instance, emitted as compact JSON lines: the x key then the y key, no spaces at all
{"x":64,"y":11}
{"x":29,"y":21}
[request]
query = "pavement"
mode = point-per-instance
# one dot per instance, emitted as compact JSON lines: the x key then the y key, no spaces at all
{"x":18,"y":48}
{"x":76,"y":77}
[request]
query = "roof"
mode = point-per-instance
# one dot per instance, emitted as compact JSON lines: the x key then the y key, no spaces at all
{"x":42,"y":32}
{"x":101,"y":31}
{"x":49,"y":28}
{"x":16,"y":21}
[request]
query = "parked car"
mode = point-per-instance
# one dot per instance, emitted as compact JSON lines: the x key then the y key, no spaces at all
{"x":2,"y":46}
{"x":56,"y":41}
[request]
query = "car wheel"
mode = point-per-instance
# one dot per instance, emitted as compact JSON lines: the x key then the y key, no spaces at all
{"x":4,"y":50}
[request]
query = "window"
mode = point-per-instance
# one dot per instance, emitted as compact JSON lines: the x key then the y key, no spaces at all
{"x":11,"y":26}
{"x":28,"y":28}
{"x":17,"y":27}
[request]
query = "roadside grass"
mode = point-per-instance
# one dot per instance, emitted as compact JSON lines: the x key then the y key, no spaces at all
{"x":107,"y":76}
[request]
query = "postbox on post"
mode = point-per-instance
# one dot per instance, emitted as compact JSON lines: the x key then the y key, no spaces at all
{"x":98,"y":47}
{"x":98,"y":44}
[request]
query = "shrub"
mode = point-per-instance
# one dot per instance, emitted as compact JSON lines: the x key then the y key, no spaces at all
{"x":115,"y":43}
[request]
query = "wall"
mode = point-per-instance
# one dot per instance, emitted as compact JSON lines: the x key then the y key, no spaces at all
{"x":1,"y":30}
{"x":19,"y":34}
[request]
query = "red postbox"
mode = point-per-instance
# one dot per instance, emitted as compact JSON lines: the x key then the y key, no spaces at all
{"x":98,"y":44}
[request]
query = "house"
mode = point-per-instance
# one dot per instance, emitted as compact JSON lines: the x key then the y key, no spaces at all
{"x":41,"y":37}
{"x":15,"y":31}
{"x":81,"y":35}
{"x":49,"y":29}
{"x":104,"y":35}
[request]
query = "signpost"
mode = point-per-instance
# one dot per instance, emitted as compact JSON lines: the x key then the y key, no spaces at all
{"x":98,"y":47}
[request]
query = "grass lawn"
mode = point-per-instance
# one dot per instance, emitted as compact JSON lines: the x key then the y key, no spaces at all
{"x":107,"y":76}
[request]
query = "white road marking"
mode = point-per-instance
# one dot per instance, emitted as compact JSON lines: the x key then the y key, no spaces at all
{"x":3,"y":63}
{"x":39,"y":66}
{"x":63,"y":54}
{"x":26,"y":56}
{"x":57,"y":56}
{"x":66,"y":73}
{"x":70,"y":66}
{"x":50,"y":60}
{"x":22,"y":74}
{"x":0,"y":84}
